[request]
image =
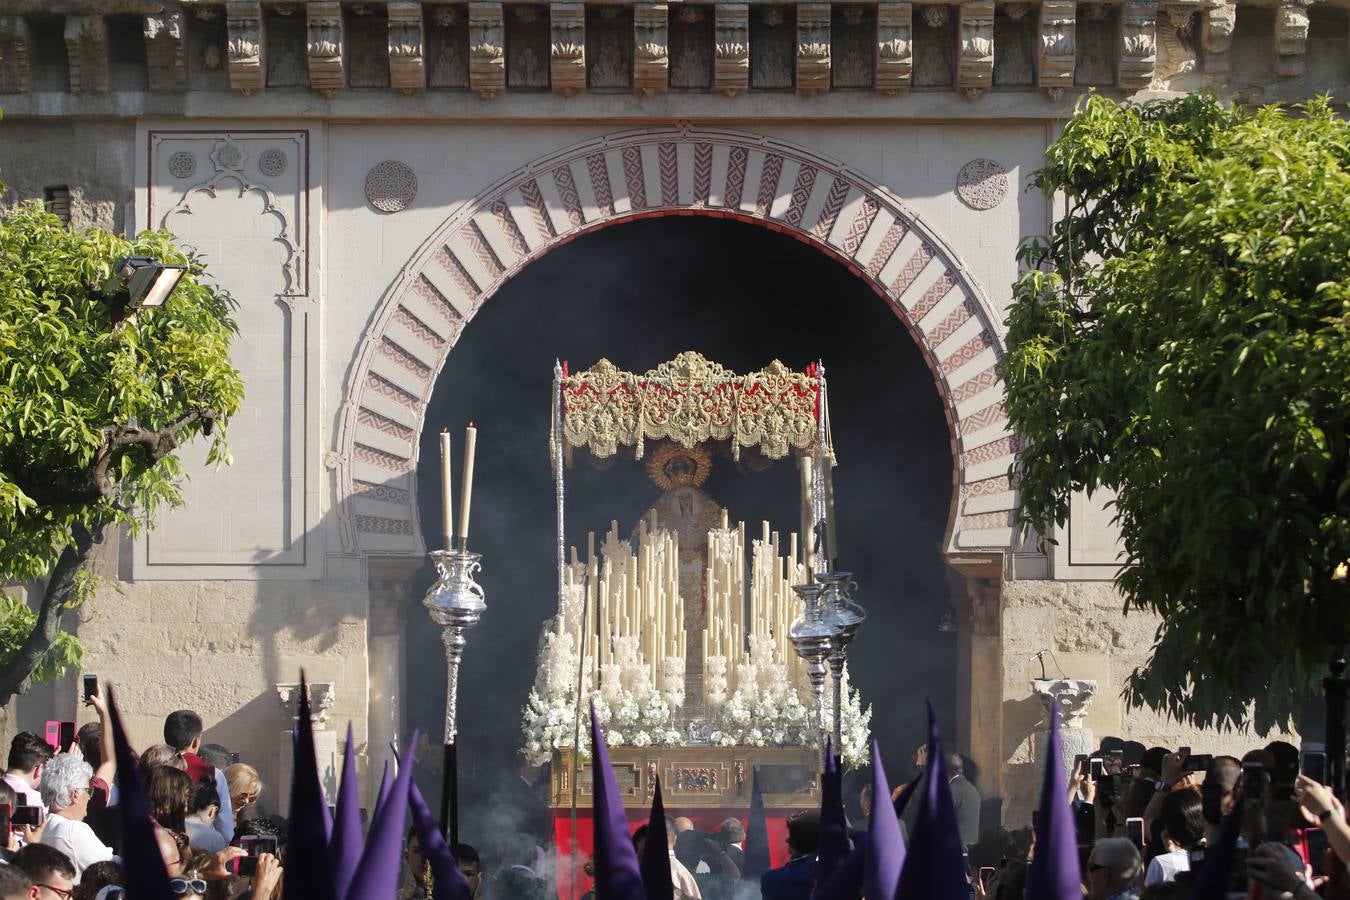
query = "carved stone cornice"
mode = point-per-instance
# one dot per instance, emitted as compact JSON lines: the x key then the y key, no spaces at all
{"x":731,"y":46}
{"x":1057,"y":47}
{"x":1138,"y":43}
{"x":1217,"y":37}
{"x":407,"y":46}
{"x":895,"y":47}
{"x":1291,"y":38}
{"x":244,"y":45}
{"x":166,"y":72}
{"x":87,"y":54}
{"x":975,"y":583}
{"x":567,"y":48}
{"x":15,"y":43}
{"x":487,"y":49}
{"x":813,"y":48}
{"x":324,"y":38}
{"x":975,"y":71}
{"x":651,"y":47}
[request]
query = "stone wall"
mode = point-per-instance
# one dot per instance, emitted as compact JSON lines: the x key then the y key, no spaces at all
{"x":220,"y":648}
{"x":1082,"y":624}
{"x":93,"y":159}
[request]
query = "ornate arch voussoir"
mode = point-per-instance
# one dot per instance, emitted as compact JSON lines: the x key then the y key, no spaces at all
{"x":655,"y":172}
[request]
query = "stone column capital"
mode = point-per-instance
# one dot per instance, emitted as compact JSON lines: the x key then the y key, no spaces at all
{"x":1074,"y":696}
{"x":322,"y":696}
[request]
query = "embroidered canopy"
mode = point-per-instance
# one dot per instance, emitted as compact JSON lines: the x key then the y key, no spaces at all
{"x":690,"y":400}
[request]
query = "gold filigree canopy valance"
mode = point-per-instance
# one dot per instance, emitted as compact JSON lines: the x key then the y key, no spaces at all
{"x":690,"y":400}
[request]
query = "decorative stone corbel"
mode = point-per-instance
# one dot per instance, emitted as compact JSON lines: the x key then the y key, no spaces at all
{"x":975,"y":72}
{"x":1057,"y":46}
{"x":731,"y":44}
{"x":487,"y":50}
{"x":567,"y":48}
{"x":87,"y":54}
{"x":1217,"y":37}
{"x":1291,"y":38}
{"x":813,"y":48}
{"x":407,"y":46}
{"x":244,"y":45}
{"x":895,"y":47}
{"x":1138,"y":43}
{"x":15,"y":42}
{"x":166,"y":72}
{"x":324,"y":21}
{"x":651,"y":47}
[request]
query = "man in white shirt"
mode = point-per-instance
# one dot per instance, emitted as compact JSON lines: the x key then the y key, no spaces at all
{"x":28,"y":755}
{"x":65,"y":788}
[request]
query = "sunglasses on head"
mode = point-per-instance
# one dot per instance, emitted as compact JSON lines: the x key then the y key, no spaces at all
{"x":182,"y":886}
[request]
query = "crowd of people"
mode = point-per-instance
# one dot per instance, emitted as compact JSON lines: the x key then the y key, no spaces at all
{"x":63,"y":832}
{"x":1146,"y":823}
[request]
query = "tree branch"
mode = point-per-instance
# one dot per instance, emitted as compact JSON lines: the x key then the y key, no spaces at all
{"x":55,"y":602}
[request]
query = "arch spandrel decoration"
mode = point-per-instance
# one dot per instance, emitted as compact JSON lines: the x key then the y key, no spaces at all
{"x":657,"y":172}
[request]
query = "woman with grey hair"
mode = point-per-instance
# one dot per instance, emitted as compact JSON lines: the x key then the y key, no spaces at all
{"x":65,"y":790}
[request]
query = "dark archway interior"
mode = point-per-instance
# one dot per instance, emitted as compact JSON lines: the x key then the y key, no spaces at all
{"x":640,"y":293}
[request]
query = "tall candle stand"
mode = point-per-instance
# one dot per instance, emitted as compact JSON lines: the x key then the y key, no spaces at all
{"x":842,"y":615}
{"x":455,"y":603}
{"x":813,"y":640}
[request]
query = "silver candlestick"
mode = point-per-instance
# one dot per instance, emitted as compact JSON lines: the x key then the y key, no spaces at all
{"x":842,"y":615}
{"x":813,"y":640}
{"x":455,"y":603}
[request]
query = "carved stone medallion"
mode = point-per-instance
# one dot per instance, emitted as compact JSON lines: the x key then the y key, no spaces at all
{"x":272,"y":162}
{"x":982,"y":184}
{"x":391,"y":186}
{"x":182,"y":164}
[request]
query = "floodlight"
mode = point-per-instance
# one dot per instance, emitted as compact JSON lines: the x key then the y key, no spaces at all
{"x":148,"y":281}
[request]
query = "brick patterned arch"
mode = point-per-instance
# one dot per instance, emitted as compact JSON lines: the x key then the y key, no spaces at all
{"x":656,"y":172}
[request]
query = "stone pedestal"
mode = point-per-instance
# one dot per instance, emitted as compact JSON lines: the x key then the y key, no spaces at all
{"x":321,"y":698}
{"x":1074,"y":696}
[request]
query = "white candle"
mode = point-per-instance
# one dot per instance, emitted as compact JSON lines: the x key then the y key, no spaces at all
{"x":447,"y":495}
{"x":466,"y":489}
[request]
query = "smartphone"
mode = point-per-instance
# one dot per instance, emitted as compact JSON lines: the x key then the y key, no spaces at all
{"x":53,"y":735}
{"x":1085,"y":825}
{"x":1197,"y":763}
{"x":1315,"y":848}
{"x":1134,"y":830}
{"x":65,"y":736}
{"x":6,"y":811}
{"x":258,"y":844}
{"x":1253,"y":780}
{"x":244,"y":866}
{"x":30,"y":816}
{"x":1097,"y":768}
{"x":1080,"y":763}
{"x":90,"y":687}
{"x":986,"y":876}
{"x":1314,"y":765}
{"x":1184,"y":751}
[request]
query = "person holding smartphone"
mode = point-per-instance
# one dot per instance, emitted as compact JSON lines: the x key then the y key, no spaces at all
{"x":1183,"y":831}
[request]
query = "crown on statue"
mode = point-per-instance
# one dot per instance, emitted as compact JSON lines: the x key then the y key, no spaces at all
{"x":672,"y":465}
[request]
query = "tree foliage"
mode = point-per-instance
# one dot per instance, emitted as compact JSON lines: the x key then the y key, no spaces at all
{"x":1181,"y":337}
{"x":92,"y":409}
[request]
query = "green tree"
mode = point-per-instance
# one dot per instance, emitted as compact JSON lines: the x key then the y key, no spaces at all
{"x":1181,"y":338}
{"x":92,"y":408}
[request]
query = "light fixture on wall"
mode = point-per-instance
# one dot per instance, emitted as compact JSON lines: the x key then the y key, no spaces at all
{"x":139,"y":282}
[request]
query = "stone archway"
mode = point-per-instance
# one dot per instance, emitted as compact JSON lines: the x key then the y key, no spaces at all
{"x":657,"y":172}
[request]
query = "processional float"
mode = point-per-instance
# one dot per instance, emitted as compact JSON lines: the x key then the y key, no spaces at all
{"x":704,"y":649}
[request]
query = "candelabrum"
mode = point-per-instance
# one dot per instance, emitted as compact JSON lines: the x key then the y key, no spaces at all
{"x":842,"y":616}
{"x":455,"y":603}
{"x":813,"y":639}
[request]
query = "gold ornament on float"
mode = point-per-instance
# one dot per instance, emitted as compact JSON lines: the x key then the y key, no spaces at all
{"x":671,"y":466}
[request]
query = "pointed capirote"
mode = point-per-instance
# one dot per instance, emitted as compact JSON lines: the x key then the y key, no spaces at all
{"x":934,"y":867}
{"x":756,"y":834}
{"x":309,"y":866}
{"x":655,"y":861}
{"x":345,"y":846}
{"x":847,"y":881}
{"x":142,"y":862}
{"x":886,"y":852}
{"x":382,"y":795}
{"x":1054,"y":872}
{"x":1211,"y":882}
{"x":833,"y":847}
{"x":447,"y":881}
{"x":381,"y":863}
{"x":617,"y":874}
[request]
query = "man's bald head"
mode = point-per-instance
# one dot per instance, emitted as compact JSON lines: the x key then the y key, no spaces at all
{"x":683,"y":824}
